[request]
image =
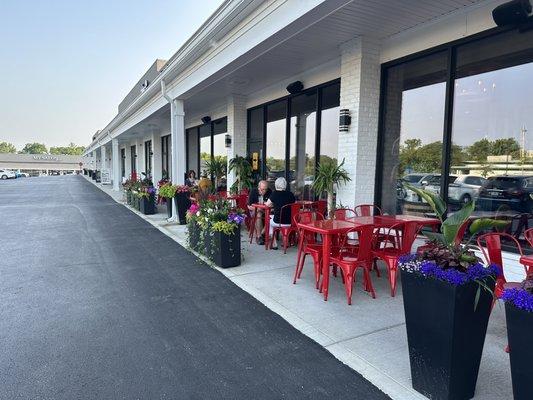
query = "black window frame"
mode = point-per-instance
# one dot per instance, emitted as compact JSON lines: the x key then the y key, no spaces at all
{"x":133,"y":156}
{"x":148,"y":154}
{"x":165,"y":156}
{"x":288,"y":98}
{"x":451,"y":48}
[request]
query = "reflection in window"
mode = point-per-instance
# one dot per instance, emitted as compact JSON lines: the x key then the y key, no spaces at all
{"x":255,"y":141}
{"x":205,"y":147}
{"x":413,"y":126}
{"x":275,"y":142}
{"x":192,"y":151}
{"x":329,"y":123}
{"x":302,"y":144}
{"x":219,"y":148}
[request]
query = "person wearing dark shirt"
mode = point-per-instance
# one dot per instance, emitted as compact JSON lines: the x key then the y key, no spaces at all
{"x":264,"y":191}
{"x":279,"y":198}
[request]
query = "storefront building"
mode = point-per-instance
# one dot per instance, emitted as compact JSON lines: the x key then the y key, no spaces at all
{"x":437,"y":94}
{"x":44,"y":164}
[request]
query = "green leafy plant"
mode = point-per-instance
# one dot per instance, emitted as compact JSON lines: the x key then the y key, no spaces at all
{"x":216,"y":167}
{"x":168,"y":190}
{"x":329,"y":175}
{"x":223,"y":226}
{"x":243,"y":173}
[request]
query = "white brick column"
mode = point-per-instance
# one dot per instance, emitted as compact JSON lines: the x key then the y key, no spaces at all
{"x":360,"y":95}
{"x":236,"y":130}
{"x":157,"y":172}
{"x":115,"y":153}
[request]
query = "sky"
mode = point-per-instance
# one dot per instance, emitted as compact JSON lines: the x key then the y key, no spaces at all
{"x":66,"y":65}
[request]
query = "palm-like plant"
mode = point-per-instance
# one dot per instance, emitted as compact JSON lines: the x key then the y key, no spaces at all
{"x":243,"y":173}
{"x":329,"y":175}
{"x":216,"y":167}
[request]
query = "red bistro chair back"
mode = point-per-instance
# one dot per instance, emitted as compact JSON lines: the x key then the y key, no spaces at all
{"x":528,"y":234}
{"x":349,"y":260}
{"x":320,"y":206}
{"x":286,"y":231}
{"x":491,"y":248}
{"x":343,"y":214}
{"x":367,"y":210}
{"x":307,"y":244}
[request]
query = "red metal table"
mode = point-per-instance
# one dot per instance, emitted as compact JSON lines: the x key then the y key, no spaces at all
{"x":328,"y":228}
{"x":266,"y":213}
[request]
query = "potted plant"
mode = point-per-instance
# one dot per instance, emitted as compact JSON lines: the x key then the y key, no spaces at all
{"x":447,"y":296}
{"x":243,"y":174}
{"x":328,"y":176}
{"x":519,"y":316}
{"x":146,"y":195}
{"x":193,"y":228}
{"x":167,"y":191}
{"x":182,"y":199}
{"x":216,"y":167}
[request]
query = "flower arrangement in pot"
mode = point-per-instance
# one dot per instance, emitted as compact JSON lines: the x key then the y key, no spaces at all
{"x":167,"y":191}
{"x":146,"y":195}
{"x":448,"y":296}
{"x":214,"y":227}
{"x":182,"y":200}
{"x":519,"y":316}
{"x":128,"y":186}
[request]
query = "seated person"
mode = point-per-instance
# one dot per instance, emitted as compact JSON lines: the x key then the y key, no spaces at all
{"x":279,"y":198}
{"x":261,"y":190}
{"x":191,"y":179}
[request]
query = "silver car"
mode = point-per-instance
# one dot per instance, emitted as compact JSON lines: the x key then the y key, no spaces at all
{"x":461,"y":189}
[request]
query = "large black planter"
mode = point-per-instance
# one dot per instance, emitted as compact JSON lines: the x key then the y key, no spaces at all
{"x":129,"y":197}
{"x":147,"y":205}
{"x":169,"y":207}
{"x":224,"y":250}
{"x":519,"y":329}
{"x":194,"y":235}
{"x":182,"y":205}
{"x":445,"y":335}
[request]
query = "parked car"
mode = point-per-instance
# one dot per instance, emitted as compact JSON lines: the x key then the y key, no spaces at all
{"x":506,"y":193}
{"x":417,"y":180}
{"x":7,"y":174}
{"x":461,"y":189}
{"x":21,"y":174}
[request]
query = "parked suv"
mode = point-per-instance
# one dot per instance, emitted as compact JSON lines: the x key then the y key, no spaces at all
{"x":506,"y":193}
{"x":7,"y":174}
{"x":461,"y":189}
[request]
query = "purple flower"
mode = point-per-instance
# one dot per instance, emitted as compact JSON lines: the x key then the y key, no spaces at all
{"x":519,"y":297}
{"x":236,"y":218}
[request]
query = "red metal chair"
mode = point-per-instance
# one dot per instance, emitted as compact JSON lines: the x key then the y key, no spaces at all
{"x":286,"y":231}
{"x":320,"y":206}
{"x":397,"y":241}
{"x":343,"y":214}
{"x":307,"y":244}
{"x":491,"y":248}
{"x":527,"y":261}
{"x":349,"y":261}
{"x":367,"y":210}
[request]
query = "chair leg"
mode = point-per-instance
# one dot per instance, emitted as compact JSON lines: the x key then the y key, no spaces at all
{"x":393,"y":277}
{"x":348,"y":285}
{"x":301,"y":265}
{"x":368,"y":282}
{"x":285,"y":243}
{"x":317,"y":262}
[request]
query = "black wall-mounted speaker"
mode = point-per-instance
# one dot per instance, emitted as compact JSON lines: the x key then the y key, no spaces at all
{"x":295,"y":87}
{"x":206,"y":119}
{"x":512,"y":13}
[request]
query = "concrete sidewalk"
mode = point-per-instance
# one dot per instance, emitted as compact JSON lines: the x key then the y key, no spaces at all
{"x":368,"y":336}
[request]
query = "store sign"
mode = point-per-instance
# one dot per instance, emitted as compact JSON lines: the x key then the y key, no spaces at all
{"x":45,"y":157}
{"x":105,"y":177}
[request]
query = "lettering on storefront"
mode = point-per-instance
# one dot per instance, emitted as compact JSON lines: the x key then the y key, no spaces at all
{"x":46,"y":157}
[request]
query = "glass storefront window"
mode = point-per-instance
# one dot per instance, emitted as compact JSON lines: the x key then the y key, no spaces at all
{"x":220,"y":128}
{"x":329,"y":123}
{"x":255,"y":141}
{"x":413,"y":132}
{"x":192,"y":151}
{"x":205,"y":146}
{"x":302,"y":144}
{"x":275,"y":142}
{"x":148,"y":158}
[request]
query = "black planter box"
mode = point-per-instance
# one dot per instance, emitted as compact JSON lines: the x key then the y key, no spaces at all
{"x":135,"y":201}
{"x":128,"y":197}
{"x":169,"y":207}
{"x":147,"y":205}
{"x":445,"y":335}
{"x":519,"y":330}
{"x":182,"y":205}
{"x":224,"y":250}
{"x":194,"y":235}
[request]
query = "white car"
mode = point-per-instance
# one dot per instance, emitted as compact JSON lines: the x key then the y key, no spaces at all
{"x":7,"y":174}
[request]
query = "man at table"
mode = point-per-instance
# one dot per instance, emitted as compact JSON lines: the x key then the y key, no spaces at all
{"x":264,"y":191}
{"x":279,"y":198}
